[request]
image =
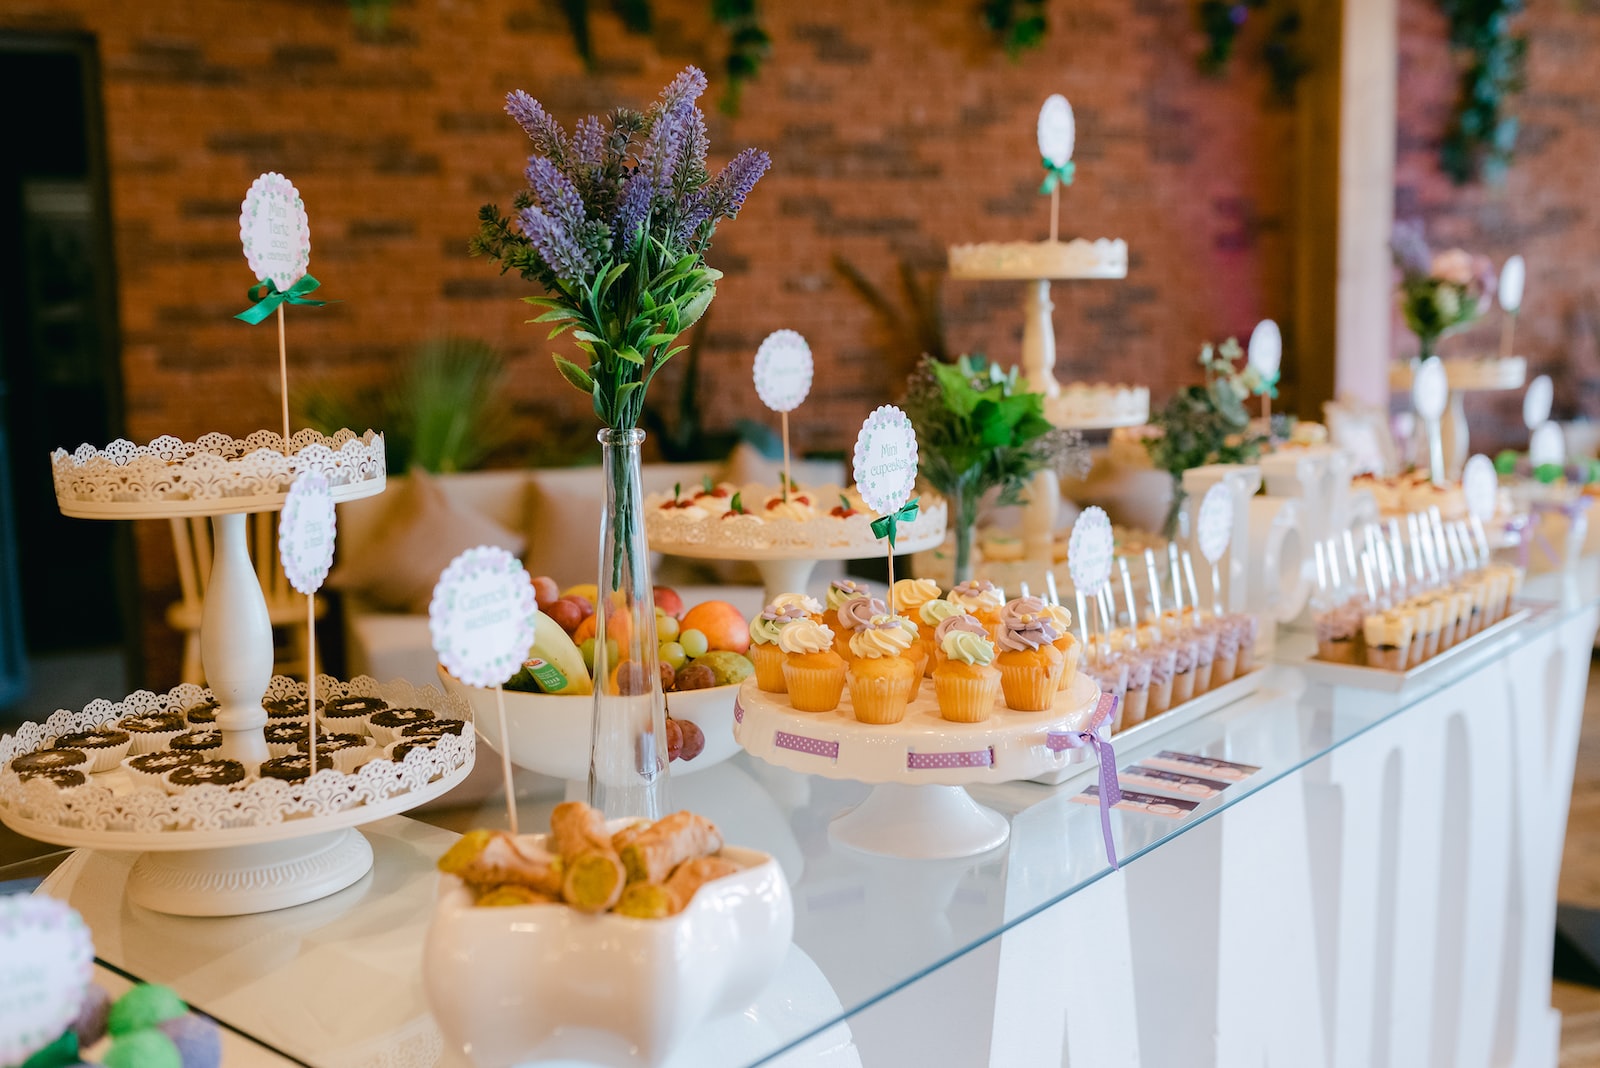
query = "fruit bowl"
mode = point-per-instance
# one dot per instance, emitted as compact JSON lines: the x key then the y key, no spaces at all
{"x":550,"y":733}
{"x":513,"y":984}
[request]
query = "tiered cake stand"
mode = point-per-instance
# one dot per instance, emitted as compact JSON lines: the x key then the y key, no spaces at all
{"x":784,"y":550}
{"x":213,"y":851}
{"x":918,"y":767}
{"x":1493,"y":374}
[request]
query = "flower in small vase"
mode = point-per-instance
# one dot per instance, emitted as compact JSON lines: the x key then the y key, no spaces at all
{"x":1438,"y":293}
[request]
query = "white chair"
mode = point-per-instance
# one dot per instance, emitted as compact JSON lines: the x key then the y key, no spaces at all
{"x":286,"y":608}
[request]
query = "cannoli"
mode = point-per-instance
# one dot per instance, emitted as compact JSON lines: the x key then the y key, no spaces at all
{"x":513,"y":894}
{"x":592,"y":881}
{"x":669,"y":842}
{"x":490,"y":858}
{"x":691,"y":875}
{"x":576,"y":828}
{"x":645,"y":901}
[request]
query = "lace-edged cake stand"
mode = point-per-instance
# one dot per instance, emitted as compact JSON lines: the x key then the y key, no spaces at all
{"x":786,"y":551}
{"x":1491,"y":374}
{"x":215,"y":851}
{"x":918,"y":768}
{"x":224,"y":478}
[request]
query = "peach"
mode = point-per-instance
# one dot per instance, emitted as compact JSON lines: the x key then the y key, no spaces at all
{"x":566,"y":613}
{"x":546,"y":592}
{"x":721,"y":623}
{"x":668,"y":601}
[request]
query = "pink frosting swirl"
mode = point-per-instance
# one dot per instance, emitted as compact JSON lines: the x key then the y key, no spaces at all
{"x":961,"y":622}
{"x":1026,"y":632}
{"x":857,"y":612}
{"x":1022,"y":606}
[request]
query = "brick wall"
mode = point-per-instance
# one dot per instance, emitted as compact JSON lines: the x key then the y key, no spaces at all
{"x":1548,"y":208}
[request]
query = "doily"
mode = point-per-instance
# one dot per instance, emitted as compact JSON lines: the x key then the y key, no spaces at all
{"x":673,"y":530}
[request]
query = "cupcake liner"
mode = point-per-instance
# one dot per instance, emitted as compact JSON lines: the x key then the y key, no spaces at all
{"x":383,"y":734}
{"x":351,"y":723}
{"x":814,"y":689}
{"x":878,"y":699}
{"x":103,"y":758}
{"x":142,"y":742}
{"x":349,"y":760}
{"x":769,"y":660}
{"x":964,"y":699}
{"x":1029,"y":688}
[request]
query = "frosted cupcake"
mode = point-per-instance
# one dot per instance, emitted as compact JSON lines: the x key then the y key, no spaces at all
{"x":917,"y":653}
{"x":841,"y":590}
{"x":1030,"y":665}
{"x":1066,"y":643}
{"x":966,"y":683}
{"x":1388,"y":636}
{"x":929,"y":615}
{"x":805,"y":602}
{"x":764,"y":652}
{"x":879,"y":677}
{"x":955,"y":622}
{"x":851,"y":615}
{"x":813,"y":673}
{"x":910,"y":594}
{"x":979,"y":597}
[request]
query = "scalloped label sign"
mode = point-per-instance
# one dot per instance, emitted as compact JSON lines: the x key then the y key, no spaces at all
{"x":1536,"y":402}
{"x":46,"y":966}
{"x":1547,"y":446}
{"x":1058,"y":130}
{"x":481,"y":616}
{"x":275,"y":231}
{"x":1090,"y":549}
{"x":1480,"y":486}
{"x":886,"y":459}
{"x":783,"y":370}
{"x":1430,"y":389}
{"x":1266,"y":348}
{"x":1512,"y":278}
{"x":1213,"y":524}
{"x":306,"y":532}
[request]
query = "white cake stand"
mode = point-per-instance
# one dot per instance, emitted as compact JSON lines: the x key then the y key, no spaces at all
{"x":226,"y":479}
{"x":1495,"y":374}
{"x":918,"y":767}
{"x":215,"y":851}
{"x":786,"y":552}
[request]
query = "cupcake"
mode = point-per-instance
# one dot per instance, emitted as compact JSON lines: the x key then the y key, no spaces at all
{"x":805,"y":602}
{"x":1136,"y":701}
{"x":60,"y":778}
{"x":207,"y":743}
{"x":764,"y":652}
{"x":966,"y":682}
{"x":345,"y":751}
{"x":348,"y":715}
{"x":841,"y":590}
{"x":434,"y":728}
{"x":813,"y":673}
{"x":961,"y":621}
{"x":285,"y":738}
{"x":1388,"y":637}
{"x":152,"y":731}
{"x":149,"y":770}
{"x":386,"y":726}
{"x":104,"y":746}
{"x":296,"y":767}
{"x":202,"y":714}
{"x":927,"y":618}
{"x":287,"y":709}
{"x":880,"y":678}
{"x":979,"y":597}
{"x":851,"y":616}
{"x":218,"y":772}
{"x":46,"y":759}
{"x":1030,"y":665}
{"x":398,"y":749}
{"x":907,"y":596}
{"x":1066,"y":643}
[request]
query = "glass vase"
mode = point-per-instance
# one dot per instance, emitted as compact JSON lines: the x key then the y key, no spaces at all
{"x":963,"y":505}
{"x":628,"y":743}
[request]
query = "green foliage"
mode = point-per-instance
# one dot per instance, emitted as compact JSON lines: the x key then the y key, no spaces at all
{"x":1482,"y":136}
{"x":1018,"y":24}
{"x":1222,"y":21}
{"x":445,"y":410}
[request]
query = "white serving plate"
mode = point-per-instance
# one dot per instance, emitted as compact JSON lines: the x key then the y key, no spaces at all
{"x":1387,"y":681}
{"x":550,"y":733}
{"x":515,"y":984}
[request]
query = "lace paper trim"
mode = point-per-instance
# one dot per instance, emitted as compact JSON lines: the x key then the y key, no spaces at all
{"x":669,"y":528}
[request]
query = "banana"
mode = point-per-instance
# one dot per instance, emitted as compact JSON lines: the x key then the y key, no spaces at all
{"x":559,"y":667}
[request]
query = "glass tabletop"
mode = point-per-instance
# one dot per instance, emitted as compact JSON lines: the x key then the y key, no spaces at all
{"x":340,"y":977}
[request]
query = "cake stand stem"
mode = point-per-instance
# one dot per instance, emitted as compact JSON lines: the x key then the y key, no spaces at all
{"x":1453,"y":427}
{"x":236,"y":641}
{"x":784,"y":576}
{"x":920,"y":822}
{"x":1039,"y":338}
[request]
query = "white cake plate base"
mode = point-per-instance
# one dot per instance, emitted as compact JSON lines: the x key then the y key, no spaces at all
{"x":925,"y":822}
{"x":240,"y":880}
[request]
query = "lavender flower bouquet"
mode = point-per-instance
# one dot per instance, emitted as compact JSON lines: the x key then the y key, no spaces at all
{"x":615,"y":224}
{"x":1439,"y":293}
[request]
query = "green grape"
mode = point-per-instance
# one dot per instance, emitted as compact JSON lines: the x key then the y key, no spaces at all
{"x":672,"y":653}
{"x":613,"y":651}
{"x":694,"y":643}
{"x":666,"y":627}
{"x":586,"y":649}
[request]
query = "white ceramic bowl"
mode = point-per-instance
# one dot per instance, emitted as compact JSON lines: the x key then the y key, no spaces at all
{"x":550,"y":733}
{"x":524,"y":982}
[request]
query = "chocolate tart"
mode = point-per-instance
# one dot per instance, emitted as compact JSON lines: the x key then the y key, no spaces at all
{"x":397,"y":750}
{"x":285,"y":738}
{"x":204,"y":712}
{"x":296,"y":767}
{"x":63,"y":778}
{"x":201,"y":741}
{"x":287,"y":709}
{"x":49,"y":759}
{"x":364,"y":706}
{"x":385,"y":726}
{"x":147,"y":769}
{"x":346,"y":752}
{"x":434,"y":728}
{"x":104,"y":746}
{"x":206,"y":773}
{"x":152,"y":731}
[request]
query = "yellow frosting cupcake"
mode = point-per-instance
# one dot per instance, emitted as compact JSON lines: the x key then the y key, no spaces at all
{"x":813,"y":672}
{"x":880,"y":677}
{"x":1030,"y":666}
{"x":979,"y":597}
{"x":764,"y":651}
{"x":965,"y":682}
{"x":928,"y":617}
{"x":1066,"y":644}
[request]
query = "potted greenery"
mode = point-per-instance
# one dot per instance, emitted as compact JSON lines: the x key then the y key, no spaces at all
{"x":978,"y":429}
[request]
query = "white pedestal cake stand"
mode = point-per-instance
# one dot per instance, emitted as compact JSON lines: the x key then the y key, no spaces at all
{"x":1489,"y":375}
{"x":788,"y":557}
{"x":919,"y":766}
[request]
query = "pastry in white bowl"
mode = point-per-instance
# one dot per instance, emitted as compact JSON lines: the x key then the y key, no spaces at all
{"x":515,"y":971}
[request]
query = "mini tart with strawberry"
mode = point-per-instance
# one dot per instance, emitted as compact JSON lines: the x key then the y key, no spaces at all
{"x":764,"y":652}
{"x":813,"y":673}
{"x":684,"y":504}
{"x":796,"y":506}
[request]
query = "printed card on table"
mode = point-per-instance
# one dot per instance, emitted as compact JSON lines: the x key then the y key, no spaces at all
{"x":1173,"y":808}
{"x":1146,"y":777}
{"x":1202,"y":766}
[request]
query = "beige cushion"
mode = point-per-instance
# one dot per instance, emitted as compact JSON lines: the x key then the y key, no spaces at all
{"x":397,"y":566}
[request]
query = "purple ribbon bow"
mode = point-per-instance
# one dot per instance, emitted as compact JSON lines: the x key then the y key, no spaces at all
{"x":1110,"y":791}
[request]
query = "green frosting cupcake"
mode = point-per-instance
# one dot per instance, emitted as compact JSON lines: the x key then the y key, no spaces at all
{"x":968,"y":648}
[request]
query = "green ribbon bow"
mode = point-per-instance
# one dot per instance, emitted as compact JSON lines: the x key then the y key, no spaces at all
{"x":1054,"y":175}
{"x":268,"y":296}
{"x":884,"y":525}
